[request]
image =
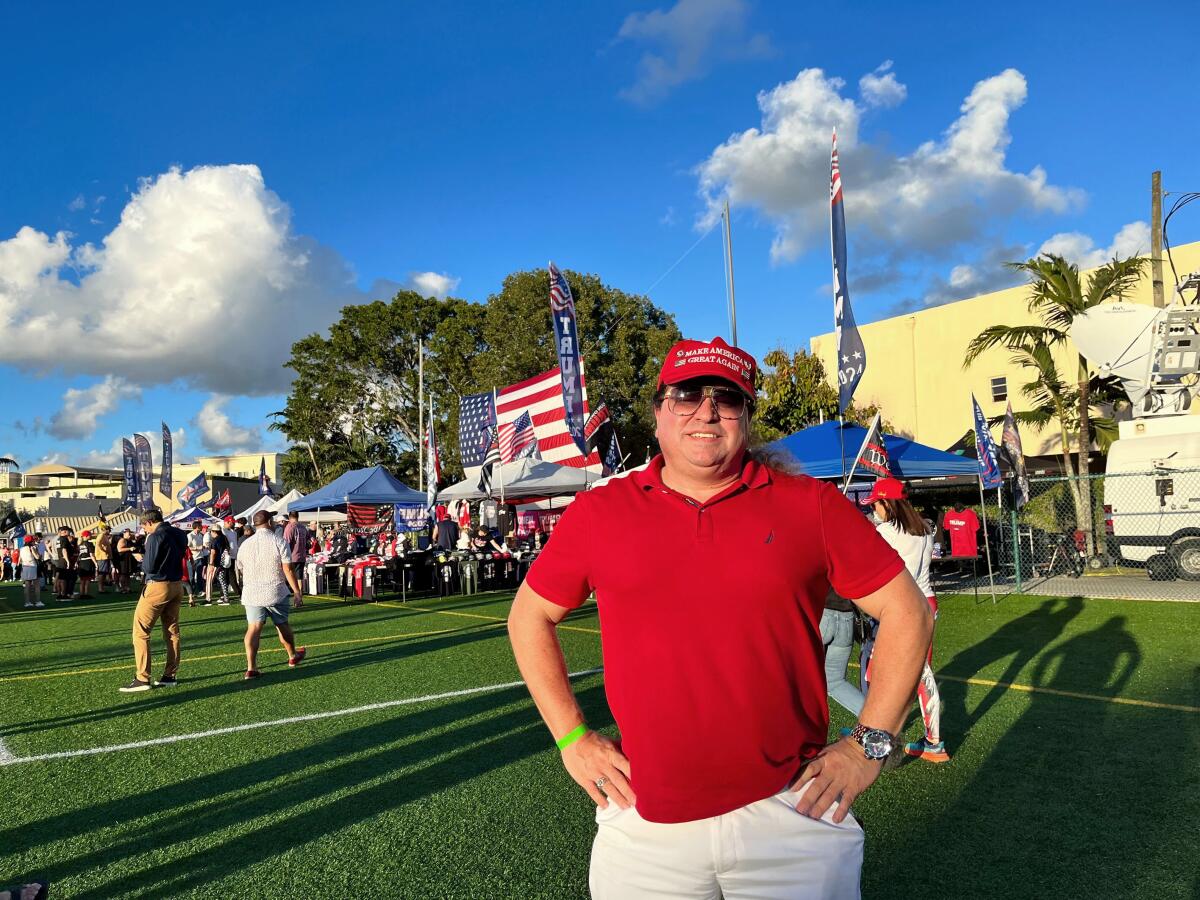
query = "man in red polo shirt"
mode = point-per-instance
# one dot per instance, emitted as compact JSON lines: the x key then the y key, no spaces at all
{"x":710,"y":569}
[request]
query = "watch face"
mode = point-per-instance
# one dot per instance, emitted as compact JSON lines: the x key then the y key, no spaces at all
{"x":876,"y":744}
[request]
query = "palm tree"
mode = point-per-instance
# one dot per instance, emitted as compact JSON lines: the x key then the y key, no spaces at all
{"x":1058,"y":295}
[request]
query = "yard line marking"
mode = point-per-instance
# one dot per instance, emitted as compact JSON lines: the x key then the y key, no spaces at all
{"x":448,"y":612}
{"x":368,"y":640}
{"x":291,"y":720}
{"x":5,"y":755}
{"x":1074,"y":695}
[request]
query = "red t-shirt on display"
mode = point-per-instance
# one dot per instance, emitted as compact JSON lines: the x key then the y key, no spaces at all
{"x":962,"y":527}
{"x":710,"y":614}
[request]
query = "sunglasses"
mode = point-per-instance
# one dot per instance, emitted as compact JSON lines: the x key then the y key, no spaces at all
{"x":730,"y":402}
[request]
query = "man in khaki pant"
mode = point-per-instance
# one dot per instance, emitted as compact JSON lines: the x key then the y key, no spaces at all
{"x":162,"y":563}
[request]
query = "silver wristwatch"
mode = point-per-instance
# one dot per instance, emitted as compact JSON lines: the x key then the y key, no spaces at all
{"x":876,"y":742}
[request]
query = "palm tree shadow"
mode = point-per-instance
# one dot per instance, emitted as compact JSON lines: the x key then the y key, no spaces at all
{"x":1055,"y":787}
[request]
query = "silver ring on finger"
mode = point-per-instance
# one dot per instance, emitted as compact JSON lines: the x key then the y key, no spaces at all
{"x":601,"y":782}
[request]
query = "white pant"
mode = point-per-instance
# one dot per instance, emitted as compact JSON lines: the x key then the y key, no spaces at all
{"x":764,"y":851}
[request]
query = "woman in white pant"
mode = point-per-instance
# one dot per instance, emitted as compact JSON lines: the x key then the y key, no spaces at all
{"x":910,"y":536}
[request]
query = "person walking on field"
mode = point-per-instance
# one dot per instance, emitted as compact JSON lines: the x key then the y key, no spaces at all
{"x":162,"y":592}
{"x":721,"y":783}
{"x":268,"y":584}
{"x":196,"y":556}
{"x":912,"y":537}
{"x":30,"y":574}
{"x":295,"y":535}
{"x":104,"y":552}
{"x":87,"y":564}
{"x":218,"y":564}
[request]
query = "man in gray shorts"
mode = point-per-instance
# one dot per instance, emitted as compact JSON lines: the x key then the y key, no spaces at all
{"x":264,"y":564}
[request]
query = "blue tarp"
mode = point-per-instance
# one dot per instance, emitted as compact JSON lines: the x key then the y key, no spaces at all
{"x":819,"y":450}
{"x":374,"y":487}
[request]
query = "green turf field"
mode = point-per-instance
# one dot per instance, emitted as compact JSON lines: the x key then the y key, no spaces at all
{"x":1063,"y":791}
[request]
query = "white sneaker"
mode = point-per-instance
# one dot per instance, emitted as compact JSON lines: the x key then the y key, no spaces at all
{"x":28,"y":605}
{"x":39,"y":605}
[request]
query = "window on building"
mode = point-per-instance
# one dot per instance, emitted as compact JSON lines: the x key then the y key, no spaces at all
{"x":1000,"y":388}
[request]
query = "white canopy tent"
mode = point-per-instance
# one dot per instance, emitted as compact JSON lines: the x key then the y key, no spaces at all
{"x":280,"y":506}
{"x":264,"y":502}
{"x":524,"y":478}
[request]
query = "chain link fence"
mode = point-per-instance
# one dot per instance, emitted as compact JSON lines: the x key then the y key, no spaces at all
{"x":1129,"y":535}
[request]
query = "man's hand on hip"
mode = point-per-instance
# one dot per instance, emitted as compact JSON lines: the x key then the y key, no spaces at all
{"x":594,"y":758}
{"x":838,"y":773}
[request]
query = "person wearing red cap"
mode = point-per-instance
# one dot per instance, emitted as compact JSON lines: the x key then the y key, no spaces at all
{"x":912,"y":537}
{"x":31,"y":576}
{"x":710,"y":569}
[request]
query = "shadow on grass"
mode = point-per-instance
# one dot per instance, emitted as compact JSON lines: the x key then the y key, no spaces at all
{"x":317,"y":664}
{"x":1018,"y":642}
{"x":1060,"y":807}
{"x":386,"y":765}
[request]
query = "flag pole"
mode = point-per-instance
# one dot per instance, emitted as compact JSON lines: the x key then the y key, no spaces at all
{"x":987,"y":545}
{"x":729,"y":276}
{"x":501,"y":460}
{"x":420,"y":414}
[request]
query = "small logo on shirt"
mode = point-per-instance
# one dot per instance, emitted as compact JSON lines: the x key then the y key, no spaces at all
{"x":770,"y":537}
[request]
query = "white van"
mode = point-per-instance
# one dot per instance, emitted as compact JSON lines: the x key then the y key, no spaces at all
{"x":1152,"y":495}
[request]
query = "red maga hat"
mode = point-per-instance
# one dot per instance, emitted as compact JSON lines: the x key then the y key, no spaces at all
{"x":886,"y":489}
{"x":715,"y":358}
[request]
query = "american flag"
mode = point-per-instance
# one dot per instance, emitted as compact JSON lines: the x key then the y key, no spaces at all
{"x":365,"y":517}
{"x":517,"y":439}
{"x":541,"y":398}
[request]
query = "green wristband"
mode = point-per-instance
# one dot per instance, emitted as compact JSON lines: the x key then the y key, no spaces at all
{"x":571,"y":736}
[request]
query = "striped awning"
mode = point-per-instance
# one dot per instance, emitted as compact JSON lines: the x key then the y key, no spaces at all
{"x":118,"y":521}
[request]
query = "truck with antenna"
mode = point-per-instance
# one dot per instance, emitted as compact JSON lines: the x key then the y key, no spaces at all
{"x":1152,"y":478}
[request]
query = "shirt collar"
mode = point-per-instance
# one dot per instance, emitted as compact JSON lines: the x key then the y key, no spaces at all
{"x":754,"y":475}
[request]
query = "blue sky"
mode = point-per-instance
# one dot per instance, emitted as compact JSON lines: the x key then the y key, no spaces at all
{"x":186,"y":195}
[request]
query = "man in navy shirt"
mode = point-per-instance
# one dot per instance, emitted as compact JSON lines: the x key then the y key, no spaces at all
{"x":162,"y":565}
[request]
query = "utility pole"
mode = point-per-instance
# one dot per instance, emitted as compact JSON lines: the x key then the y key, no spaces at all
{"x":1156,"y":247}
{"x":420,"y":413}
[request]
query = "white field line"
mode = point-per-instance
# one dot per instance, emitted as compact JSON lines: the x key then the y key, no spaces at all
{"x":7,"y":759}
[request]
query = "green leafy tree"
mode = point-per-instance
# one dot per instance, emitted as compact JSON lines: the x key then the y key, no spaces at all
{"x":354,"y":400}
{"x":794,"y":392}
{"x":1071,"y":401}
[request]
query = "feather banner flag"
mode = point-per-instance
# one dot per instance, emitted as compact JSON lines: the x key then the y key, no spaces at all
{"x":851,"y":353}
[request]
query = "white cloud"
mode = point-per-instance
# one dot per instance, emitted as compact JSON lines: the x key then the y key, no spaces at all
{"x":687,"y":39}
{"x":200,"y":260}
{"x":1132,"y":240}
{"x":947,"y":192}
{"x":218,"y":433}
{"x":433,"y":284}
{"x":987,"y":272}
{"x":78,"y":203}
{"x":83,"y":407}
{"x":880,"y":88}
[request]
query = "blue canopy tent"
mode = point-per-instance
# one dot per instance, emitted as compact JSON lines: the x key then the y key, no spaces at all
{"x":375,"y":486}
{"x":824,"y":453}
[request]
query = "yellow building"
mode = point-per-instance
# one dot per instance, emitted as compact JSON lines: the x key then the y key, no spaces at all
{"x":915,"y":362}
{"x":32,"y":490}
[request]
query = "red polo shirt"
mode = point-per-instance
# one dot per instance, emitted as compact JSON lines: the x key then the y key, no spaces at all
{"x":710,"y":621}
